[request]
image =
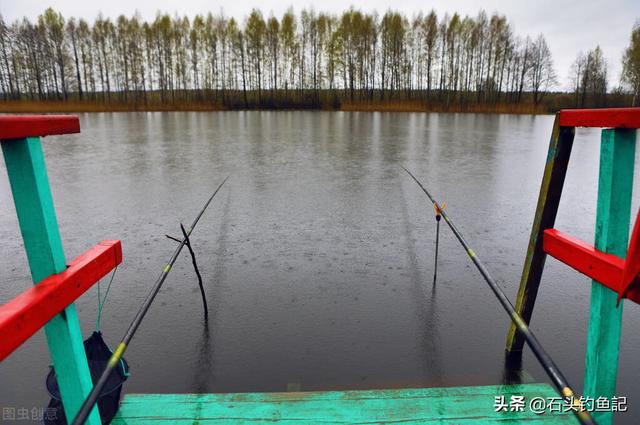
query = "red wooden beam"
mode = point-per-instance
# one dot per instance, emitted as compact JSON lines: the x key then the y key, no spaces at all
{"x":607,"y":117}
{"x":21,"y":126}
{"x":25,"y":314}
{"x":599,"y":266}
{"x":631,"y":273}
{"x":605,"y":268}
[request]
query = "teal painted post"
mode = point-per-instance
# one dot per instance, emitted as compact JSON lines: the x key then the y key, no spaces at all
{"x":36,"y":215}
{"x":617,"y":154}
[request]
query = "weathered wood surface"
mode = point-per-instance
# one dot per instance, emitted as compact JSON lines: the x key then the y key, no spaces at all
{"x":600,"y":266}
{"x":462,"y":405}
{"x":613,"y":216}
{"x":601,"y":118}
{"x":548,"y":200}
{"x":630,"y":286}
{"x":39,"y":227}
{"x":24,"y":315}
{"x":21,"y":126}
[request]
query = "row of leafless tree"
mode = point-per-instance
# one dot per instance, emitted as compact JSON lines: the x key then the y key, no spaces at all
{"x":589,"y":77}
{"x":354,"y":56}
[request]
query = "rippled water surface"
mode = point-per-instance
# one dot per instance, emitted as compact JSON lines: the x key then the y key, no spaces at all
{"x":317,"y":256}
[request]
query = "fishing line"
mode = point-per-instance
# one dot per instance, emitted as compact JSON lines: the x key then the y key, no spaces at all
{"x":543,"y":357}
{"x":101,"y":301}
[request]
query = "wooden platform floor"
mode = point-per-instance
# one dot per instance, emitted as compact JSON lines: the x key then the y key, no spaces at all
{"x":460,"y":405}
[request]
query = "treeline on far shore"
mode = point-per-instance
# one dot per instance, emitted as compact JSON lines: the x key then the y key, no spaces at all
{"x":351,"y":60}
{"x":329,"y":100}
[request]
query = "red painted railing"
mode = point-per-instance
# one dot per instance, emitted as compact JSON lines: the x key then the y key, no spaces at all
{"x":21,"y":126}
{"x":619,"y":275}
{"x":613,"y":272}
{"x":24,"y":315}
{"x":601,"y":118}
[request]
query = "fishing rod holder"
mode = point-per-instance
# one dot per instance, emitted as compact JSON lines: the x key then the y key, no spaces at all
{"x":187,"y":242}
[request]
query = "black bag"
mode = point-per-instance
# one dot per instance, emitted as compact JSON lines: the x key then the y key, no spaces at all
{"x":98,"y":354}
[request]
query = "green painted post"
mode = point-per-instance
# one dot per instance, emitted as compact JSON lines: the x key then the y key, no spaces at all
{"x":36,"y":215}
{"x":617,"y":154}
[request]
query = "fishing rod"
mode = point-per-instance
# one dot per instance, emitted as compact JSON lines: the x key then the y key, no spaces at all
{"x":91,"y":399}
{"x":543,"y":357}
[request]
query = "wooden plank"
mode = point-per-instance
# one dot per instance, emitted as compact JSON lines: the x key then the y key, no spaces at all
{"x":615,"y":183}
{"x":585,"y":258}
{"x":22,"y":126}
{"x":36,"y":215}
{"x":548,"y":200}
{"x":24,"y":315}
{"x":630,"y":282}
{"x":607,"y":117}
{"x":461,"y":405}
{"x":607,"y":269}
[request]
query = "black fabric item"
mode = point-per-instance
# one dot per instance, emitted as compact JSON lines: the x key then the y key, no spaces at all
{"x":98,"y":354}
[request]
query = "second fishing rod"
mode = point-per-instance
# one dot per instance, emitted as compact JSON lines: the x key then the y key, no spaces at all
{"x":541,"y":354}
{"x":91,"y":399}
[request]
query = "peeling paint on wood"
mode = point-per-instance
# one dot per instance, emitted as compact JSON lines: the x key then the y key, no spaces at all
{"x":459,"y":405}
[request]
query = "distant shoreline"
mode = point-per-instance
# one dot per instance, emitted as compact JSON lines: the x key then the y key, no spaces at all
{"x":26,"y":106}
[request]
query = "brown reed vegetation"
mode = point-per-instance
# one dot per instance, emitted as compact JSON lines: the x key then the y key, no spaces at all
{"x":52,"y":106}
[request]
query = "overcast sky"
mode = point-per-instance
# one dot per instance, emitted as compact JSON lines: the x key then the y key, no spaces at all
{"x":570,"y":26}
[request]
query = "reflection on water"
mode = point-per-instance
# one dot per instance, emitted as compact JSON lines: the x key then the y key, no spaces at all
{"x":317,"y":256}
{"x":204,"y":374}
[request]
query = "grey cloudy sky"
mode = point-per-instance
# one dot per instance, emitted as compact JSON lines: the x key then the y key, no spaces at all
{"x":570,"y":26}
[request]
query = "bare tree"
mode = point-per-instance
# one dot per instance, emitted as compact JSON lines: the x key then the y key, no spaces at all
{"x":590,"y":78}
{"x":450,"y":60}
{"x":541,"y":73}
{"x":631,"y":64}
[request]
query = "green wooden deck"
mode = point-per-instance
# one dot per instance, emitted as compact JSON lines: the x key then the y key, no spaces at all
{"x":461,"y":405}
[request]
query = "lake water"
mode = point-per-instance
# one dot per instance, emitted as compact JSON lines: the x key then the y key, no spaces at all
{"x":317,"y":255}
